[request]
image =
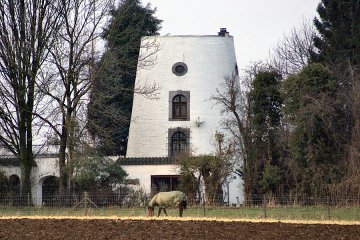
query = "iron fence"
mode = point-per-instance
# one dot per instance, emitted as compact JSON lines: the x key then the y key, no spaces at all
{"x":95,"y":203}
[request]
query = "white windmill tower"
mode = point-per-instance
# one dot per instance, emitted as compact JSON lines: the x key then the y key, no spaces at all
{"x":188,"y":70}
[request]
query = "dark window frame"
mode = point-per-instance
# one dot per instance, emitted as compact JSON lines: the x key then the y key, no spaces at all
{"x":171,"y":134}
{"x":179,"y":143}
{"x":179,"y":107}
{"x":157,"y":178}
{"x":183,"y":107}
{"x":175,"y":69}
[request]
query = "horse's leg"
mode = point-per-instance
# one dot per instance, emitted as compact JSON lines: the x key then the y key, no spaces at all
{"x":180,"y":211}
{"x":159,"y":212}
{"x":165,"y":211}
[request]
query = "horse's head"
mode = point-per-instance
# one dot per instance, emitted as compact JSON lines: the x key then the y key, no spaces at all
{"x":150,"y":211}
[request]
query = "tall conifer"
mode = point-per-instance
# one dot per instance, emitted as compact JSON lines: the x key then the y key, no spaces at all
{"x":112,"y":96}
{"x":339,"y":28}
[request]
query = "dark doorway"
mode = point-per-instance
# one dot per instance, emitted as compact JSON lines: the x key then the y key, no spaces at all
{"x":14,"y":182}
{"x":50,"y":189}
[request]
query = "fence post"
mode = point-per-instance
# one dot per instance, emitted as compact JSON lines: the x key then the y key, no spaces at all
{"x":28,"y":202}
{"x":228,"y":192}
{"x":145,"y":201}
{"x":264,"y":203}
{"x":204,"y":205}
{"x":85,"y":202}
{"x":328,"y":207}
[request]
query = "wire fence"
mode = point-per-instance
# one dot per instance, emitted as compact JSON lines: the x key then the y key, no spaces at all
{"x":135,"y":204}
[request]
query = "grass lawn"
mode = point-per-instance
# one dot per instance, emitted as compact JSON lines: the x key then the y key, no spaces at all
{"x":278,"y":213}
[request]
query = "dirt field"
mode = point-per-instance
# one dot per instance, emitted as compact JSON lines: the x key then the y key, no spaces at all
{"x":168,"y":229}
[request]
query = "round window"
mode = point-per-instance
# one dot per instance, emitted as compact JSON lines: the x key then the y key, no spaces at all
{"x":179,"y":69}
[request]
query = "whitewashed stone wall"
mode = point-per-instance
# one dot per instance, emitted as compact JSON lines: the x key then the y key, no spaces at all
{"x":209,"y":59}
{"x":11,"y":170}
{"x":46,"y":167}
{"x":144,"y":172}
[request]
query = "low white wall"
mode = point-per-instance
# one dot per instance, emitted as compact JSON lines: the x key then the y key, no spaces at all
{"x":46,"y":167}
{"x":236,"y":193}
{"x":144,"y":173}
{"x":10,"y":170}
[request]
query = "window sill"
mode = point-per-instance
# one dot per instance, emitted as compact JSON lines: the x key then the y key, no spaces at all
{"x":179,"y":119}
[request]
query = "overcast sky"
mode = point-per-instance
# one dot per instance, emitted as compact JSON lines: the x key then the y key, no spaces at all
{"x":256,"y":25}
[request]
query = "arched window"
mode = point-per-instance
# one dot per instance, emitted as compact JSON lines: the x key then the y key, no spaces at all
{"x":179,"y":107}
{"x":179,"y":143}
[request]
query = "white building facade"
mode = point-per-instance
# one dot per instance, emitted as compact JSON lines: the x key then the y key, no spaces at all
{"x":45,"y":168}
{"x":181,"y":119}
{"x":188,"y":70}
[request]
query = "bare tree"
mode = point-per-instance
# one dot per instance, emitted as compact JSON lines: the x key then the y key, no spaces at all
{"x":349,"y":187}
{"x":294,"y":51}
{"x":221,"y":168}
{"x":234,"y":101}
{"x":207,"y":173}
{"x":353,"y":164}
{"x":27,"y":28}
{"x":70,"y":74}
{"x":233,"y":98}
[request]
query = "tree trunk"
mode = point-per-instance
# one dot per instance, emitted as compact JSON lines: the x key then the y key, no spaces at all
{"x":26,"y":164}
{"x":62,"y":159}
{"x":70,"y":153}
{"x":25,"y":157}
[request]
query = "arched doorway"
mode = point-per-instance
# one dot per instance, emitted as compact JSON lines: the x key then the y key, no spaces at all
{"x":14,"y":187}
{"x":50,"y":189}
{"x":4,"y":187}
{"x":14,"y":184}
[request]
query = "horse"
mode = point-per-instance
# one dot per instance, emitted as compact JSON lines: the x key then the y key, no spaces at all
{"x":167,"y":199}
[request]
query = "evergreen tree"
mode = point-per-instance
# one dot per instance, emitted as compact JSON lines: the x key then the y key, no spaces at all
{"x":316,"y":123}
{"x":339,"y":28}
{"x":265,"y":116}
{"x":339,"y":49}
{"x":109,"y":111}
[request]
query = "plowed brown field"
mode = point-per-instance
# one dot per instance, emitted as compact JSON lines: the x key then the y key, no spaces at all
{"x":169,"y":229}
